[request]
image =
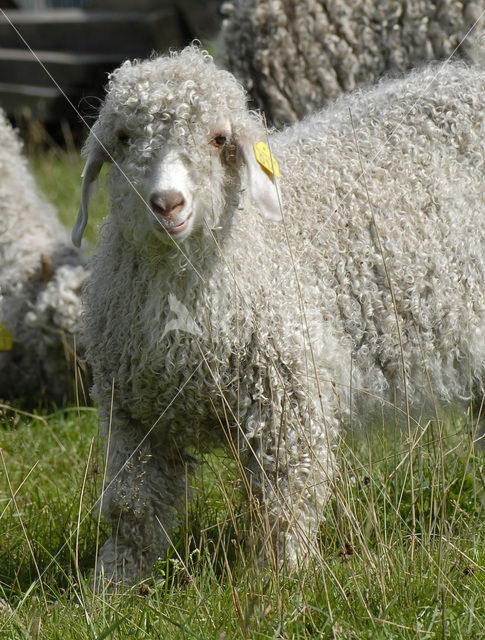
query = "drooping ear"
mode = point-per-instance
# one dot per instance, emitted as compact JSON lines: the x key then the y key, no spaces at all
{"x":263,"y":184}
{"x":97,"y":156}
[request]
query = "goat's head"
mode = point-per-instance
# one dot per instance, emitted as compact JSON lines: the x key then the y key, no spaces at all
{"x":178,"y":132}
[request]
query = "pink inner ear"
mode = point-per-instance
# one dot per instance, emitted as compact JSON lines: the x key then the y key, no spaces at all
{"x":263,"y":188}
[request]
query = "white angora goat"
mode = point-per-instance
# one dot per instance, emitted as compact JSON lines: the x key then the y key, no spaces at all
{"x":41,"y":274}
{"x":207,"y":321}
{"x":295,"y":56}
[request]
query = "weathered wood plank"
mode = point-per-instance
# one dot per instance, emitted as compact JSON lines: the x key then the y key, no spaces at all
{"x":130,"y":33}
{"x":75,"y":69}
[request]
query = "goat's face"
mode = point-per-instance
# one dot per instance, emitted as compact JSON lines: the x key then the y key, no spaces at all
{"x":178,"y":132}
{"x":187,"y":186}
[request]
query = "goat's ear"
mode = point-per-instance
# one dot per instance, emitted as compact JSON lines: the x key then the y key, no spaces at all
{"x":263,"y":184}
{"x":96,"y":158}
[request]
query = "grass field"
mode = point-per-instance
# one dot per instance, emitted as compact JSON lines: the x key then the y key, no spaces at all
{"x":402,"y":543}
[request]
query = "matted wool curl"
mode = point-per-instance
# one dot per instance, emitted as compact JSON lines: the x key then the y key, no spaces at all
{"x":294,"y":56}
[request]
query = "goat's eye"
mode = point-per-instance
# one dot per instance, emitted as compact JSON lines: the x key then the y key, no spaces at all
{"x":219,"y":141}
{"x":123,"y":137}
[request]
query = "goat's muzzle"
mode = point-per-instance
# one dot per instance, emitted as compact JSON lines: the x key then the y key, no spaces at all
{"x":167,"y":206}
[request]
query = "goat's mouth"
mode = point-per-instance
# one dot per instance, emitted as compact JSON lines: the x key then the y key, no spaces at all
{"x":172,"y":227}
{"x":177,"y":228}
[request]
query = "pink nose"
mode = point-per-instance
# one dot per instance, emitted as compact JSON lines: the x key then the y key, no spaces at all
{"x":167,"y":203}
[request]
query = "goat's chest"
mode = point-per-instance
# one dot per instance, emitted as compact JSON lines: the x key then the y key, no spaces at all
{"x":180,"y":358}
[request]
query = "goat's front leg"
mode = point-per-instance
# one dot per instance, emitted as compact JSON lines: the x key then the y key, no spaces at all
{"x":144,"y":492}
{"x":290,"y":468}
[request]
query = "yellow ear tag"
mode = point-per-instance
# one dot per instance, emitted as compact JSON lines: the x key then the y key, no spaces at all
{"x":6,"y":341}
{"x":266,"y":159}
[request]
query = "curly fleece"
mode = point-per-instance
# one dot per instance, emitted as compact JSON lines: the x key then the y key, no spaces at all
{"x":40,"y":281}
{"x":294,"y":56}
{"x":290,"y":320}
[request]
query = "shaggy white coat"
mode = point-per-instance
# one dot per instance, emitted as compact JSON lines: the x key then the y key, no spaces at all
{"x":260,"y":333}
{"x":294,"y":56}
{"x":40,"y":280}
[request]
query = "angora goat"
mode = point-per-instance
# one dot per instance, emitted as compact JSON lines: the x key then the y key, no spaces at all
{"x":294,"y":56}
{"x":40,"y":280}
{"x":213,"y":314}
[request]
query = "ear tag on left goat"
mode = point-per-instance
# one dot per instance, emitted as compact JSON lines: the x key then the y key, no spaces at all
{"x":266,"y":159}
{"x":6,"y":341}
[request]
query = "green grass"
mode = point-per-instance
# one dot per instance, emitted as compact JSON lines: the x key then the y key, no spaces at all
{"x":402,"y":544}
{"x":379,"y":573}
